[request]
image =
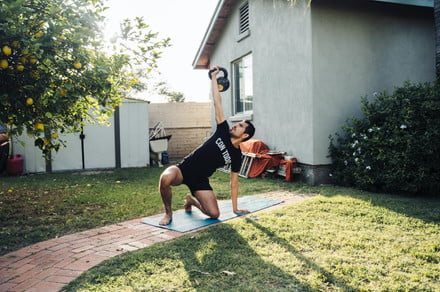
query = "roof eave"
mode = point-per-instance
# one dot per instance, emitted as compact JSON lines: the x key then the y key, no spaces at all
{"x":421,"y":3}
{"x":215,"y":27}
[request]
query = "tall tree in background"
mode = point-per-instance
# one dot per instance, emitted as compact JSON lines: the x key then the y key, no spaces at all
{"x":56,"y":73}
{"x":172,"y":96}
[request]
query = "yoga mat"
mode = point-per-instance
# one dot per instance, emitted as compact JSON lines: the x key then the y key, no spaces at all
{"x":187,"y":221}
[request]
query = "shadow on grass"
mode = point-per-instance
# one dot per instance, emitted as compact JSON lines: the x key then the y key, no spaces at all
{"x":326,"y":276}
{"x":216,"y":259}
{"x":230,"y":253}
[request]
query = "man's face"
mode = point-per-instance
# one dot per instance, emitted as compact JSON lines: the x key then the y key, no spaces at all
{"x":237,"y":130}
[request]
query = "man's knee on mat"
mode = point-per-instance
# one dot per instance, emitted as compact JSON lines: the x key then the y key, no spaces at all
{"x":214,"y":214}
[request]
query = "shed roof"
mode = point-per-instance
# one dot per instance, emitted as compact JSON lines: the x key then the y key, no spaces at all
{"x":224,"y":9}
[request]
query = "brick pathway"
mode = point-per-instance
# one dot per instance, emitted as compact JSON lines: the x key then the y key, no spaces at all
{"x":48,"y":266}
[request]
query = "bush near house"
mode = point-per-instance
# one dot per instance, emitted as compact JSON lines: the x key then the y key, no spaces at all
{"x":395,"y":146}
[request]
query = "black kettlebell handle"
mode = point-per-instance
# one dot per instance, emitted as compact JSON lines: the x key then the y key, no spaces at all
{"x":225,"y":73}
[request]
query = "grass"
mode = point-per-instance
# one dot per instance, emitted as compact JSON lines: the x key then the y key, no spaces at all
{"x":341,"y":240}
{"x":38,"y":207}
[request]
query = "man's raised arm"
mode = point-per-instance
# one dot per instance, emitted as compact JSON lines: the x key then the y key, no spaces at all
{"x":217,"y":98}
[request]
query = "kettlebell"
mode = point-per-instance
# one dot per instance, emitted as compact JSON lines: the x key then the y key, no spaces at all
{"x":222,"y":82}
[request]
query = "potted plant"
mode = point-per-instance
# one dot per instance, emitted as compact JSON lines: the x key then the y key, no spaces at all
{"x":13,"y":163}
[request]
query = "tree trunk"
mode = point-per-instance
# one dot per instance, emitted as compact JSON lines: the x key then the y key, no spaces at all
{"x":437,"y":37}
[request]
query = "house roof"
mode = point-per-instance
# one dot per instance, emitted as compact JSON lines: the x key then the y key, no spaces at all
{"x":424,"y":3}
{"x":224,"y":9}
{"x":215,"y":27}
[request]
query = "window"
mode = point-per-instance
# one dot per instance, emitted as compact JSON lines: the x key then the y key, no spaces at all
{"x":243,"y":85}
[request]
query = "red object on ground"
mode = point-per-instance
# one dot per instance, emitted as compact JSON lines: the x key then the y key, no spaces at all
{"x":263,"y":160}
{"x":288,"y":164}
{"x":15,"y":164}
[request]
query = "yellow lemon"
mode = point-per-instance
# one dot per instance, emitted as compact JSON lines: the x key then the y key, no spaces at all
{"x":39,"y":126}
{"x":118,"y":181}
{"x":4,"y":64}
{"x":7,"y":51}
{"x":38,"y":34}
{"x":29,"y":101}
{"x":46,"y":142}
{"x":54,"y":135}
{"x":63,"y":92}
{"x":10,"y":191}
{"x":20,"y":67}
{"x":89,"y":185}
{"x":33,"y":60}
{"x":77,"y":65}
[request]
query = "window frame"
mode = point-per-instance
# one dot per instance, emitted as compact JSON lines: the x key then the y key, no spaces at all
{"x":244,"y":114}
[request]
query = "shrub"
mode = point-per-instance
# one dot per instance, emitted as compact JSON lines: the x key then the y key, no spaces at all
{"x":395,"y":146}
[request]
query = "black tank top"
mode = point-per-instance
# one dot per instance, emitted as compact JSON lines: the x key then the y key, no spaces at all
{"x":216,"y":152}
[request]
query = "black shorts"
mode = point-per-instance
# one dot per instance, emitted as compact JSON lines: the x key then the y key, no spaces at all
{"x":195,"y":183}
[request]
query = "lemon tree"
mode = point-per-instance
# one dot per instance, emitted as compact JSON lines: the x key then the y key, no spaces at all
{"x":56,"y":73}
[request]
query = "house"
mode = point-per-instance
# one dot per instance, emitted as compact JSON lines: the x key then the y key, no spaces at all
{"x":122,"y":142}
{"x":298,"y":69}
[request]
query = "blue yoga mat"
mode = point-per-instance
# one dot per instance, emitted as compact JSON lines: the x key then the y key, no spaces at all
{"x":187,"y":221}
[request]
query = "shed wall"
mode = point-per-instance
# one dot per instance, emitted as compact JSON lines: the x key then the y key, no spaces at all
{"x":99,"y":144}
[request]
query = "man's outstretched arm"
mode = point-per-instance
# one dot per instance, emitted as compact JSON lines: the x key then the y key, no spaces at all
{"x":234,"y":193}
{"x":217,"y":98}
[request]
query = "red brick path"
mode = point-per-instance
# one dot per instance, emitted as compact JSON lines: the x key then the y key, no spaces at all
{"x":48,"y":266}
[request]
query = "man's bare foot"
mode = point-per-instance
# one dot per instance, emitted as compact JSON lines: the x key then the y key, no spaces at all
{"x":188,"y":203}
{"x":166,"y":220}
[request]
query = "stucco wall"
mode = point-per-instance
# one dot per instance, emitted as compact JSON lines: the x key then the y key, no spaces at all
{"x":311,"y":66}
{"x":189,"y":123}
{"x":360,"y":47}
{"x":282,"y":71}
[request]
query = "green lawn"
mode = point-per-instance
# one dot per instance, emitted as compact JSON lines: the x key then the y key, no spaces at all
{"x":37,"y":207}
{"x":341,"y":240}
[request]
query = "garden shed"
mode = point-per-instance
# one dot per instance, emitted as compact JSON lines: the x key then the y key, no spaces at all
{"x":122,"y":142}
{"x":298,"y":69}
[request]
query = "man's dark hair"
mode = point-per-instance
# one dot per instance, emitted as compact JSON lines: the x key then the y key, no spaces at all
{"x":250,"y":130}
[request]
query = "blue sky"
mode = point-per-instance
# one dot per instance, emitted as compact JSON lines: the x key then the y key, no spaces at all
{"x":185,"y":22}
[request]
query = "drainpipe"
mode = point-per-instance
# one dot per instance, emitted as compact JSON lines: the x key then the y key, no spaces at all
{"x":82,"y":137}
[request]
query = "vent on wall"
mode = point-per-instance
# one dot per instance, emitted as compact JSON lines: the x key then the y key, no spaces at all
{"x":244,"y":18}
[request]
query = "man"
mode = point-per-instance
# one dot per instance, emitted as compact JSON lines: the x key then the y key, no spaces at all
{"x":222,"y":148}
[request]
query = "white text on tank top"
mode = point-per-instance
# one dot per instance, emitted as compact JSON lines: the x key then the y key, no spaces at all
{"x":224,"y":151}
